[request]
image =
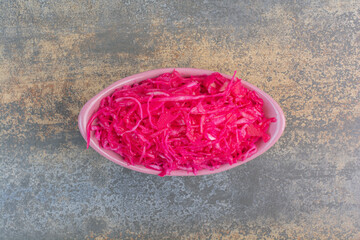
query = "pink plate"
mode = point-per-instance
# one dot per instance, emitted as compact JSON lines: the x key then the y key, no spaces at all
{"x":271,"y":109}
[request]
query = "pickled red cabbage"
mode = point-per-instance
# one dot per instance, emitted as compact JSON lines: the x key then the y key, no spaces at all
{"x":181,"y":123}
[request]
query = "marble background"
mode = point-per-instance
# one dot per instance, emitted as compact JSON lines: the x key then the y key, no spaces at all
{"x":56,"y":55}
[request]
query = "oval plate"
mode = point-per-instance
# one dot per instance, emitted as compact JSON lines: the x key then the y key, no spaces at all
{"x":271,"y":109}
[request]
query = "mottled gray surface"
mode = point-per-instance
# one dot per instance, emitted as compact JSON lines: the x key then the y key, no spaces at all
{"x":54,"y":56}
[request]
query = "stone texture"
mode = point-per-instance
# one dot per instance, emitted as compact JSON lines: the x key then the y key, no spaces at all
{"x":55,"y":55}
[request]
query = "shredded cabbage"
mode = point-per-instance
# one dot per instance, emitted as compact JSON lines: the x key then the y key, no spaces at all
{"x":181,"y":123}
